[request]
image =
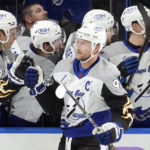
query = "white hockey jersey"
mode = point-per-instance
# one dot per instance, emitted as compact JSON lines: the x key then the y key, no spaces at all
{"x":3,"y":66}
{"x":24,"y":105}
{"x":98,"y":89}
{"x":69,"y":51}
{"x":116,"y":53}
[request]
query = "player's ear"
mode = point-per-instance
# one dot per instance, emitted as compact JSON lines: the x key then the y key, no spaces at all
{"x":2,"y":35}
{"x":28,"y":19}
{"x":96,"y":50}
{"x":136,"y":27}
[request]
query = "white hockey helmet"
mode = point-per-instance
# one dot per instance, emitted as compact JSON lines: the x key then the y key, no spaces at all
{"x":94,"y":33}
{"x":131,"y":14}
{"x":100,"y":17}
{"x":45,"y":31}
{"x":7,"y":21}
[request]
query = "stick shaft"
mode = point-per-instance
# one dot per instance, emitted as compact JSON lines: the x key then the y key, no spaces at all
{"x":82,"y":109}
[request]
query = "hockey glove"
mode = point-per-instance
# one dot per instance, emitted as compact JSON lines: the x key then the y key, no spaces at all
{"x":112,"y":132}
{"x":16,"y":74}
{"x":128,"y":66}
{"x":34,"y":80}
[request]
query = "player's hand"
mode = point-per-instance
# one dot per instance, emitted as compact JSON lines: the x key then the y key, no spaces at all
{"x":34,"y":80}
{"x":112,"y":132}
{"x":16,"y":74}
{"x":128,"y":66}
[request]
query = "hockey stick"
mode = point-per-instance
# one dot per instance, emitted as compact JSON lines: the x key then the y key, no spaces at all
{"x":147,"y":31}
{"x":60,"y":92}
{"x":137,"y":98}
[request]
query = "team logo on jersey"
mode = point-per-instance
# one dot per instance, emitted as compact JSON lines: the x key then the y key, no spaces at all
{"x":142,"y":115}
{"x":69,"y":52}
{"x":116,"y":84}
{"x":87,"y":84}
{"x":78,"y":93}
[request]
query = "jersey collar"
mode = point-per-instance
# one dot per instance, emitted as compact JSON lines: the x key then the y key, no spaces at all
{"x":79,"y":72}
{"x":133,"y":48}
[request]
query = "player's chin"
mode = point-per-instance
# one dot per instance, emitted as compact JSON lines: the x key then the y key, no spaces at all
{"x":78,"y":57}
{"x":45,"y":18}
{"x":57,"y":50}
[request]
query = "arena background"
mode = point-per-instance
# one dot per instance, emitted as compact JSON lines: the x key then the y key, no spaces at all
{"x":114,"y":6}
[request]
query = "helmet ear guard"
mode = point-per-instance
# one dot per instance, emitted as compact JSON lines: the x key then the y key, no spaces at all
{"x":94,"y":33}
{"x":132,"y":14}
{"x":45,"y":31}
{"x":7,"y":21}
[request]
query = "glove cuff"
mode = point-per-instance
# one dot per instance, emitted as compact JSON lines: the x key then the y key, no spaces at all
{"x":38,"y":90}
{"x":14,"y":80}
{"x":120,"y":130}
{"x":41,"y":88}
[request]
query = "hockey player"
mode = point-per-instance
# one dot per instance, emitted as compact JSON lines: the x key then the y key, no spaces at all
{"x":46,"y":39}
{"x":8,"y":33}
{"x":117,"y":52}
{"x":30,"y":14}
{"x":94,"y":82}
{"x":98,"y":16}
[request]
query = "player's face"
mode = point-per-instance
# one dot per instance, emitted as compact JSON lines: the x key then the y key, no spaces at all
{"x":38,"y":13}
{"x":12,"y":37}
{"x":83,"y":49}
{"x":58,"y":45}
{"x":110,"y":34}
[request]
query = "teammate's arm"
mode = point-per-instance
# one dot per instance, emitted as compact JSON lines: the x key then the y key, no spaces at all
{"x":7,"y":89}
{"x":122,"y":110}
{"x":49,"y":101}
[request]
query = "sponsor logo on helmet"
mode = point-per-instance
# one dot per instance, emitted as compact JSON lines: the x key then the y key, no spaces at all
{"x":44,"y":31}
{"x":98,"y":29}
{"x":131,"y":9}
{"x":99,"y":16}
{"x":2,"y":16}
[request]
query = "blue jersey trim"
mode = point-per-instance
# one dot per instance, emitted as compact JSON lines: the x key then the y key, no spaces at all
{"x":79,"y":72}
{"x":86,"y":128}
{"x":33,"y":51}
{"x":132,"y":49}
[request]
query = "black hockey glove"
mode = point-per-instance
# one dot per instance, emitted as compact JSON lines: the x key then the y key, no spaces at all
{"x":128,"y":66}
{"x":16,"y":74}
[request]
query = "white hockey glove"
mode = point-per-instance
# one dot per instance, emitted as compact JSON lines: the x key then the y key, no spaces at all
{"x":16,"y":73}
{"x":34,"y":80}
{"x":112,"y":132}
